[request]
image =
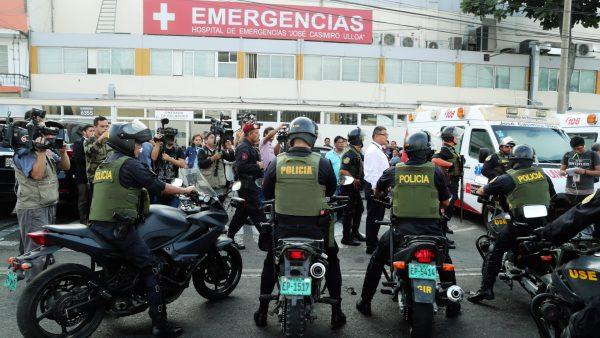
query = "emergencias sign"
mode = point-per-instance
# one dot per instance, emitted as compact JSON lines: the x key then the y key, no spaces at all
{"x":257,"y":21}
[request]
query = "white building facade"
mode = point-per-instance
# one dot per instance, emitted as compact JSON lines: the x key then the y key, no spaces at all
{"x":104,"y":57}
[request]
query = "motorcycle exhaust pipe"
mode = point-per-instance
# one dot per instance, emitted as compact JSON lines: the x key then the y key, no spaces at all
{"x":455,"y":293}
{"x":317,"y":270}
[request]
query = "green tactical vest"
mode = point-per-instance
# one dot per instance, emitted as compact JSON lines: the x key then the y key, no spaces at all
{"x":215,"y":173}
{"x":356,"y":171}
{"x":502,"y":160}
{"x":455,"y":160}
{"x":414,"y":193}
{"x":110,"y":196}
{"x":531,"y":188}
{"x":297,"y":188}
{"x":34,"y":194}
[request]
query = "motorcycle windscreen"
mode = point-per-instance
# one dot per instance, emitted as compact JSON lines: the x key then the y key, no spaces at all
{"x":423,"y":290}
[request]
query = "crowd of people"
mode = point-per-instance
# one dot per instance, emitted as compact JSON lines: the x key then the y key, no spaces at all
{"x":113,"y":171}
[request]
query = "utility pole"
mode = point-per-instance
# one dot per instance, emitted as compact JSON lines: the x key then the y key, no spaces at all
{"x":563,"y":80}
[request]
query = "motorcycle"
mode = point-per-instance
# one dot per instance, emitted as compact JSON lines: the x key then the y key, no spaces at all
{"x":414,"y":280}
{"x":300,"y":265}
{"x":572,"y":282}
{"x":72,"y":299}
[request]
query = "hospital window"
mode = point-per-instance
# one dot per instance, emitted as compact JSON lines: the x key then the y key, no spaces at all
{"x":288,"y":116}
{"x":161,"y":62}
{"x":270,"y":66}
{"x":369,"y":70}
{"x":3,"y":59}
{"x":499,"y":77}
{"x":376,"y":120}
{"x":334,"y":68}
{"x":75,"y":60}
{"x":227,"y":64}
{"x":198,"y":63}
{"x":582,"y":81}
{"x":343,"y":118}
{"x":50,"y":60}
{"x":425,"y":73}
{"x":115,"y":61}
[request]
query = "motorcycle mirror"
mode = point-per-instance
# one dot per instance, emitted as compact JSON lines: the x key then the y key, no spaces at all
{"x":481,"y":180}
{"x":483,"y":154}
{"x":237,"y":185}
{"x":178,"y":182}
{"x":535,"y":211}
{"x":259,"y":182}
{"x":346,"y":180}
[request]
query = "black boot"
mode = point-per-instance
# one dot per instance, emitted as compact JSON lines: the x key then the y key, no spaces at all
{"x":364,"y":307}
{"x":485,"y":293}
{"x":351,"y":242}
{"x":163,"y":328}
{"x":358,"y":236}
{"x":338,"y":318}
{"x":260,"y":316}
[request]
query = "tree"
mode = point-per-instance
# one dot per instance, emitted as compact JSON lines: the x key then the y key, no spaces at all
{"x":549,"y":13}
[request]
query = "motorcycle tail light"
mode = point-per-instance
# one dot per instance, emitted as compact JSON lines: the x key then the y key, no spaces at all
{"x":296,"y":255}
{"x":424,"y":255}
{"x":546,"y":258}
{"x":38,"y":237}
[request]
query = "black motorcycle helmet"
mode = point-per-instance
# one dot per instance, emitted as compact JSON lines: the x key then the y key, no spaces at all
{"x":522,"y":156}
{"x":449,"y":133}
{"x":304,"y":129}
{"x":123,"y":136}
{"x":355,"y":137}
{"x":418,"y":145}
{"x":34,"y":113}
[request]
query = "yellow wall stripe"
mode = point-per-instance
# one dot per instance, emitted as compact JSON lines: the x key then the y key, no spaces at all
{"x":299,"y":67}
{"x":142,"y":61}
{"x":598,"y":82}
{"x":241,"y":58}
{"x":527,"y":76}
{"x":33,"y":60}
{"x":458,"y":78}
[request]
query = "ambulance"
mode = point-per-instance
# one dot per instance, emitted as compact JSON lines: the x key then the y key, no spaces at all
{"x":484,"y":127}
{"x":584,"y":125}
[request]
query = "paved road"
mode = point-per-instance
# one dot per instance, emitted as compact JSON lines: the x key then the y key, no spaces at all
{"x":507,"y":316}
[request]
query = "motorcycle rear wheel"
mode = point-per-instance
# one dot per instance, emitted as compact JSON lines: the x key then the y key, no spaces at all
{"x":215,"y":280}
{"x":421,"y":322}
{"x":295,"y":319}
{"x":48,"y":297}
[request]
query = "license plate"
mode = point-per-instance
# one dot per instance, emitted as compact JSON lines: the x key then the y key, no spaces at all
{"x":11,"y":281}
{"x":290,"y":286}
{"x":8,"y":162}
{"x":422,"y":271}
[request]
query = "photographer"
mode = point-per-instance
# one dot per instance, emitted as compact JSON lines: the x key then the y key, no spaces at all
{"x":267,"y":151}
{"x":36,"y":169}
{"x":168,"y":158}
{"x":96,"y":149}
{"x":210,"y":161}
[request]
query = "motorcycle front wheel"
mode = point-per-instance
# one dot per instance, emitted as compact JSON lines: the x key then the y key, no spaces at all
{"x":48,"y":305}
{"x":219,"y":274}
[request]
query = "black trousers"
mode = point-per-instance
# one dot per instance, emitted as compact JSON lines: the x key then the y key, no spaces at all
{"x":453,"y":186}
{"x":507,"y":239}
{"x":381,"y":257}
{"x":250,"y":209}
{"x":586,"y":322}
{"x":352,"y":212}
{"x":375,"y":212}
{"x":139,"y":255}
{"x":333,"y":275}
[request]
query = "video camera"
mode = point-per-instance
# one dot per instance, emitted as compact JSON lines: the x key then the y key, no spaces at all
{"x":23,"y":134}
{"x":282,"y":134}
{"x":168,"y":133}
{"x":247,"y":118}
{"x":221,"y":126}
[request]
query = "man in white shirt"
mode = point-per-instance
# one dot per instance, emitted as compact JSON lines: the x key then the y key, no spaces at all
{"x":376,"y":162}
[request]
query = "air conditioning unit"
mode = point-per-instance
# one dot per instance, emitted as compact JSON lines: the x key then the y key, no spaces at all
{"x":408,"y":41}
{"x":432,"y":44}
{"x":388,"y":39}
{"x":376,"y":39}
{"x":455,"y":42}
{"x":584,"y":50}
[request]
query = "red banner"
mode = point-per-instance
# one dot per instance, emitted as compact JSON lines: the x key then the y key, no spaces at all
{"x":257,"y":21}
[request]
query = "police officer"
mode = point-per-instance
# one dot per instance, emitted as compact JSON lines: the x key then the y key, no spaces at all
{"x":523,"y":185}
{"x":96,"y":149}
{"x":120,"y":201}
{"x":352,"y":165}
{"x":581,"y":166}
{"x":37,"y":195}
{"x":248,"y":168}
{"x":586,"y":322}
{"x":497,"y":164}
{"x":299,"y":180}
{"x":449,"y":159}
{"x":418,"y":190}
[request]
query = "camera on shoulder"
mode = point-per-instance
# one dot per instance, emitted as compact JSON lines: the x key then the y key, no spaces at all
{"x":32,"y":133}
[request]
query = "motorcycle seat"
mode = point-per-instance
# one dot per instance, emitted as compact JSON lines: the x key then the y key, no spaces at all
{"x":70,"y":229}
